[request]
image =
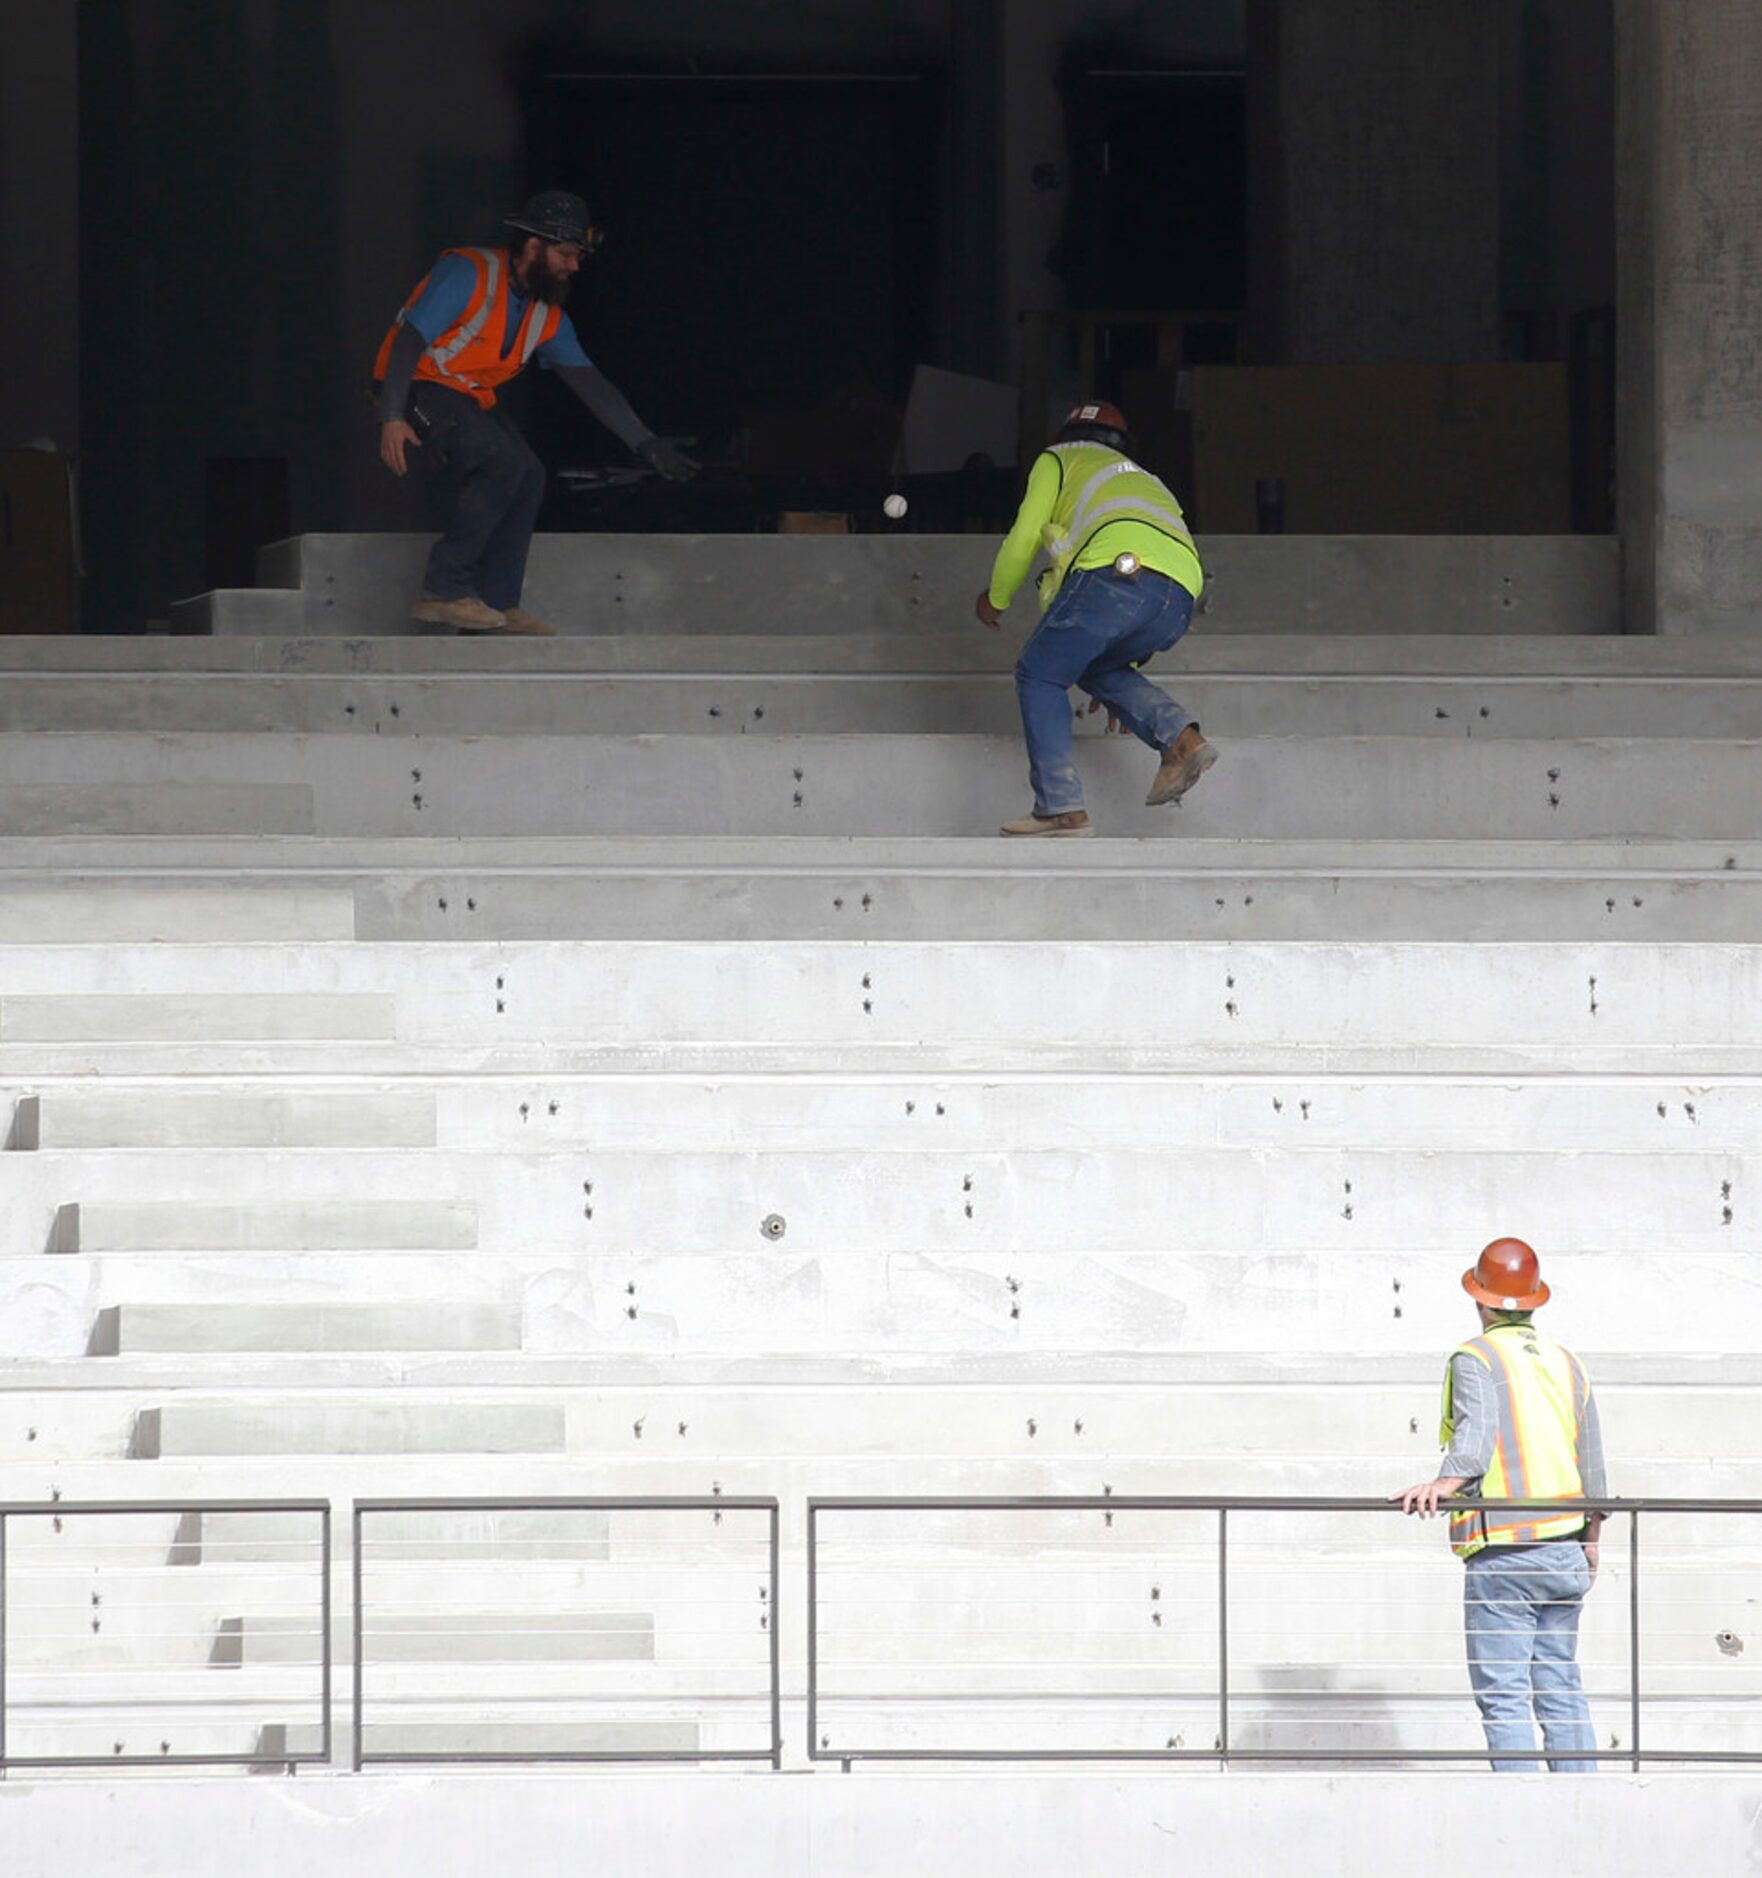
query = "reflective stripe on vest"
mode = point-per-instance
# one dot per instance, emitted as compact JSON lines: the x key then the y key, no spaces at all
{"x":483,"y":298}
{"x":1541,"y":1391}
{"x":1085,"y":508}
{"x":470,"y":357}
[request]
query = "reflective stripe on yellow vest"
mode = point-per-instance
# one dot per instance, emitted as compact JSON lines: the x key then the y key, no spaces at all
{"x":1541,"y":1391}
{"x":467,"y":357}
{"x":1101,"y":486}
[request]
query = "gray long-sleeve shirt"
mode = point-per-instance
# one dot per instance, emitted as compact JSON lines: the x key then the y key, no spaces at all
{"x":1475,"y":1395}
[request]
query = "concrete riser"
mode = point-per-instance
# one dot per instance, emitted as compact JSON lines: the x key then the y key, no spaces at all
{"x":717,"y":703}
{"x":1383,"y":788}
{"x":935,"y":1203}
{"x":1199,"y":1426}
{"x":859,"y":1315}
{"x":902,"y":1111}
{"x":908,"y":582}
{"x":1233,"y":998}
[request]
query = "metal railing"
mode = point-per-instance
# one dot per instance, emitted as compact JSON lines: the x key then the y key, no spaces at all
{"x":540,"y":1595}
{"x":1226,"y":1630}
{"x":189,"y":1637}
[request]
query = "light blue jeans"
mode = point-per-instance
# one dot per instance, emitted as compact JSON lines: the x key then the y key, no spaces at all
{"x":1520,"y":1609}
{"x":1098,"y":629}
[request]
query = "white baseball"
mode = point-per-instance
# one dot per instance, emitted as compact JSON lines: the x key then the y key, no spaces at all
{"x":894,"y":507}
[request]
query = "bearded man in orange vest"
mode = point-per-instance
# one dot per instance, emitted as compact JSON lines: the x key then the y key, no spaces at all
{"x":1520,"y":1423}
{"x":479,"y":318}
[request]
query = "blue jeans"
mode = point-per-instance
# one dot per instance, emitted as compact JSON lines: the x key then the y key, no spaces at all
{"x":1099,"y":627}
{"x":502,"y":482}
{"x":1520,"y":1607}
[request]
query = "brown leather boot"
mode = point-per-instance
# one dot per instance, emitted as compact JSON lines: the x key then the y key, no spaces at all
{"x":1184,"y":762}
{"x":1073,"y":822}
{"x":469,"y":615}
{"x":521,"y":622}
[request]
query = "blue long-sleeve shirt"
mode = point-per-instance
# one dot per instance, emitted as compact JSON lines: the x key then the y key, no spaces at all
{"x":443,"y":301}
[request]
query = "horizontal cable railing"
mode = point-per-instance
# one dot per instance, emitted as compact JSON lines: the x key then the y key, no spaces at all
{"x":563,"y":1629}
{"x":1247,"y":1629}
{"x":164,"y":1633}
{"x":1111,"y":1627}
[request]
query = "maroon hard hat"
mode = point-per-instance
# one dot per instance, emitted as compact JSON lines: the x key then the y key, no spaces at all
{"x":1507,"y":1277}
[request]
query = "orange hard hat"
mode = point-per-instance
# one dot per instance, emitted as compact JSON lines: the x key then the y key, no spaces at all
{"x":1095,"y":414}
{"x":1507,"y":1277}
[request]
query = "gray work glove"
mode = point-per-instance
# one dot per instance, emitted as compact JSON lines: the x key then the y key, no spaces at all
{"x":660,"y":455}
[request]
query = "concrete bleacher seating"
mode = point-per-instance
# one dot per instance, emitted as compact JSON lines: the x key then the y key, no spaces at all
{"x":405,"y":1042}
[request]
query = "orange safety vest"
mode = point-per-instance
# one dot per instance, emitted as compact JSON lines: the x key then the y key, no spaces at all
{"x":468,"y":356}
{"x":1543,"y":1393}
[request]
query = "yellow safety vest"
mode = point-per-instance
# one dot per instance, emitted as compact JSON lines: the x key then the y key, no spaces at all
{"x":1542,"y":1393}
{"x":1100,"y":488}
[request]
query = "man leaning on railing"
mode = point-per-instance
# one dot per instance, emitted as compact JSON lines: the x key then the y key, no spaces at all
{"x":1520,"y":1423}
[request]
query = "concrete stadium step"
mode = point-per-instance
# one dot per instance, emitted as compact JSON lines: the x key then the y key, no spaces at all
{"x":845,"y":1113}
{"x":65,"y":910}
{"x":836,"y":1205}
{"x":199,"y":1329}
{"x":491,"y":1635}
{"x":127,"y":1225}
{"x":199,"y":1017}
{"x":833,"y":1312}
{"x":164,"y":807}
{"x":727,"y":654}
{"x":806,"y":704}
{"x":797,"y":583}
{"x":162,"y":1117}
{"x":106,"y":1469}
{"x":1005,"y":997}
{"x":1393,"y":1424}
{"x":515,"y":1737}
{"x":806,"y":888}
{"x":1406,"y":788}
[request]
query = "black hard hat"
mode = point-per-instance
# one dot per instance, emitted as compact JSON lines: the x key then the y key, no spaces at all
{"x":557,"y":215}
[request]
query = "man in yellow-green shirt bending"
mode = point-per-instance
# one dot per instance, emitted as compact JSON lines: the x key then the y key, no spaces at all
{"x":1121,"y":587}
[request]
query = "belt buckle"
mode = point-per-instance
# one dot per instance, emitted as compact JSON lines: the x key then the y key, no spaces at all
{"x":1126,"y":565}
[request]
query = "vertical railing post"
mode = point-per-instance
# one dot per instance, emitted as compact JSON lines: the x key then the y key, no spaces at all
{"x":356,"y":1626}
{"x":1223,"y":1634}
{"x":2,"y":1643}
{"x":776,"y":1641}
{"x":1633,"y":1636}
{"x":813,"y":1615}
{"x":327,"y":1735}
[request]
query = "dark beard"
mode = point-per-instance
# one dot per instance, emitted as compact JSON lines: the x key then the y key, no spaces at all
{"x":552,"y":288}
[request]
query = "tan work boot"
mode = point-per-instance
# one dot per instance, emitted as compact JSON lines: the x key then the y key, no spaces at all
{"x":1185,"y":761}
{"x":1072,"y":822}
{"x":522,"y":622}
{"x":469,"y":615}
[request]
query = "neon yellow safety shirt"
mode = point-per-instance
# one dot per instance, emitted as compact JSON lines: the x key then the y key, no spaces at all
{"x":1086,"y":505}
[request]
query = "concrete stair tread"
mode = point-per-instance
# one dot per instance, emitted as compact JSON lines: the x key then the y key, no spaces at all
{"x":241,"y":865}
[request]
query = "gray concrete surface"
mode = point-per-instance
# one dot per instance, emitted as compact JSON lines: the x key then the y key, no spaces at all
{"x":1410,"y":788}
{"x":1690,"y":376}
{"x":771,"y":584}
{"x":941,"y":704}
{"x":790,"y":655}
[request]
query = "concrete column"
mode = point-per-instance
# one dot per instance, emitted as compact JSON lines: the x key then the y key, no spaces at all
{"x":1374,"y":158}
{"x":1689,"y":215}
